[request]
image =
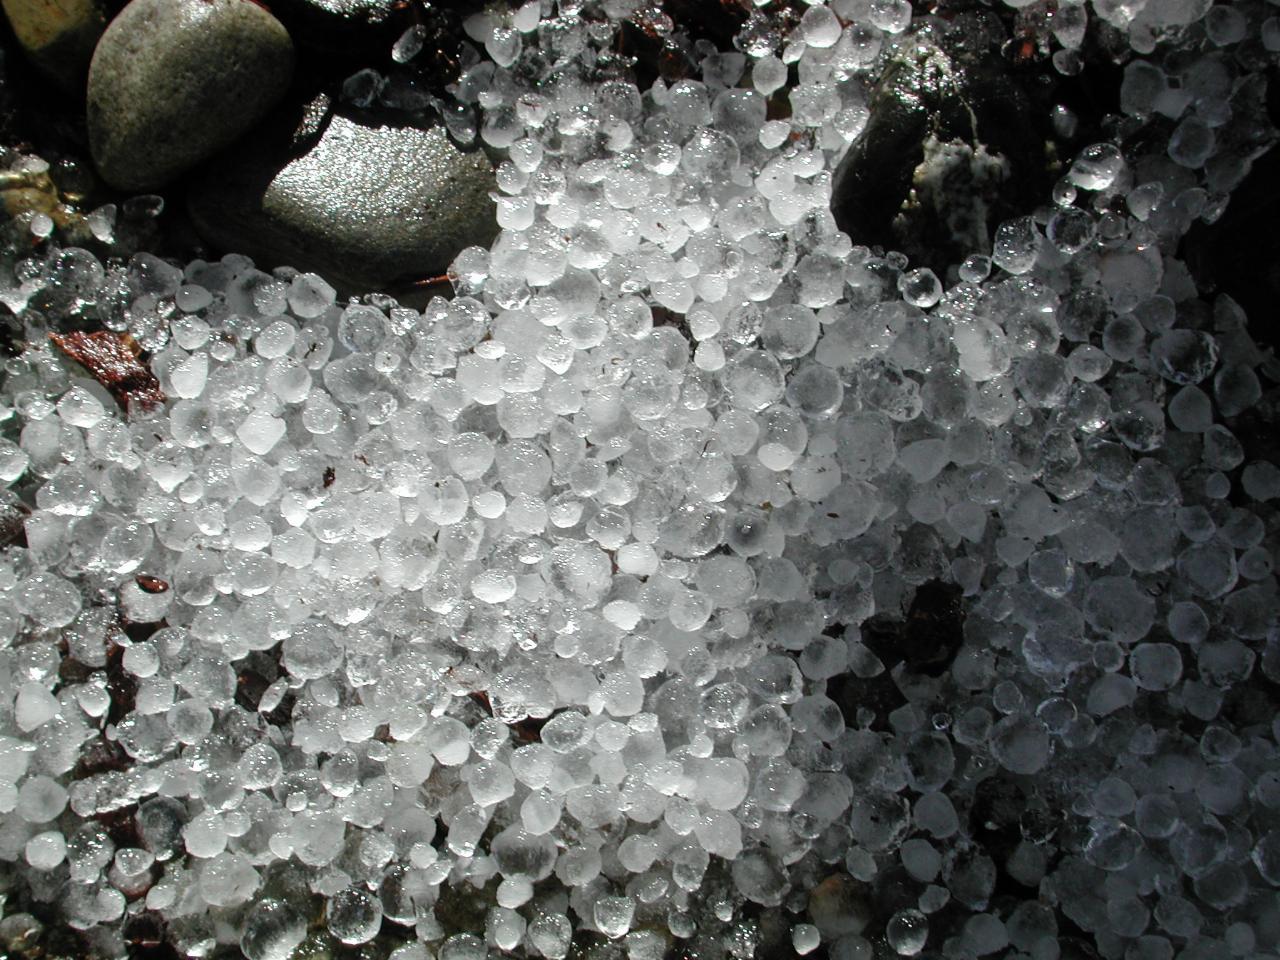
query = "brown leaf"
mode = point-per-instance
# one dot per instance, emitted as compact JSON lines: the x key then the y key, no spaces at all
{"x":111,"y":361}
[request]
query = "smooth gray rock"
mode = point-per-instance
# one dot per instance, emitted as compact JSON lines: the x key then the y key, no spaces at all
{"x":364,"y":206}
{"x":174,"y":81}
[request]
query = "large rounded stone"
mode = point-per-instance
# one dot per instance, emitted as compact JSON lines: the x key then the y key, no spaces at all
{"x":58,"y":35}
{"x":174,"y":81}
{"x":363,"y":205}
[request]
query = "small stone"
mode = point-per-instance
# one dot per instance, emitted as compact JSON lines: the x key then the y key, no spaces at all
{"x":364,"y":206}
{"x":58,"y":35}
{"x":174,"y":81}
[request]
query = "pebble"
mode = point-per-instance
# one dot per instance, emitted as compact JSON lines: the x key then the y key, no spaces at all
{"x":364,"y":206}
{"x":58,"y":35}
{"x":174,"y":81}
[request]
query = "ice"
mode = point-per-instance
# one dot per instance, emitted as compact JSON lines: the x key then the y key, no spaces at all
{"x":1016,"y":245}
{"x":271,"y":931}
{"x":80,"y":408}
{"x":1184,"y":356}
{"x":907,"y":932}
{"x":1070,"y":230}
{"x":653,"y":524}
{"x":550,"y":934}
{"x":259,"y":767}
{"x":819,"y":27}
{"x":40,"y":799}
{"x":34,"y":707}
{"x":540,"y":812}
{"x":47,"y":599}
{"x":1156,"y":666}
{"x":260,"y":432}
{"x":46,"y":850}
{"x":920,"y":287}
{"x":490,"y":782}
{"x":1261,"y":480}
{"x":354,"y":916}
{"x":613,"y":915}
{"x":805,"y":938}
{"x":309,"y":296}
{"x":192,"y":298}
{"x":13,"y":461}
{"x":1097,"y":165}
{"x":1191,"y":143}
{"x":722,"y":782}
{"x":1020,"y":744}
{"x":227,"y":880}
{"x":187,"y":378}
{"x":205,"y":835}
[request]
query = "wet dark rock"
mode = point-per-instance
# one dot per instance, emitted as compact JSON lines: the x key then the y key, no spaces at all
{"x":915,"y":96}
{"x":894,"y":890}
{"x":879,"y":695}
{"x":934,"y":629}
{"x":1077,"y":948}
{"x":144,"y":934}
{"x":996,"y":813}
{"x":960,"y":137}
{"x":349,"y":11}
{"x":929,"y":636}
{"x":174,"y":81}
{"x":839,"y":907}
{"x":660,"y":39}
{"x":364,"y":205}
{"x":1237,"y":254}
{"x":339,"y":25}
{"x":58,"y":35}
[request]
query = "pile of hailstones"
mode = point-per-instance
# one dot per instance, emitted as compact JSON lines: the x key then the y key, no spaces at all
{"x":540,"y":600}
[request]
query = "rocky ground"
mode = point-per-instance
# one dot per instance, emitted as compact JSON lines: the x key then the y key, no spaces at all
{"x":286,"y":134}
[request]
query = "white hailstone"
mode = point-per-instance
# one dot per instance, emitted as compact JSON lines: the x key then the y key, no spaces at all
{"x":805,"y":938}
{"x":188,"y":377}
{"x":13,"y":461}
{"x":46,"y":850}
{"x":271,"y":930}
{"x":34,"y":707}
{"x":275,"y":340}
{"x":613,"y":915}
{"x":493,"y":587}
{"x":819,"y":27}
{"x":260,"y":432}
{"x":40,"y":799}
{"x":80,"y":408}
{"x":354,"y":916}
{"x":309,"y":296}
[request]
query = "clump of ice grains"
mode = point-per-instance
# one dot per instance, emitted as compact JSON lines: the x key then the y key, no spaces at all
{"x":523,"y":617}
